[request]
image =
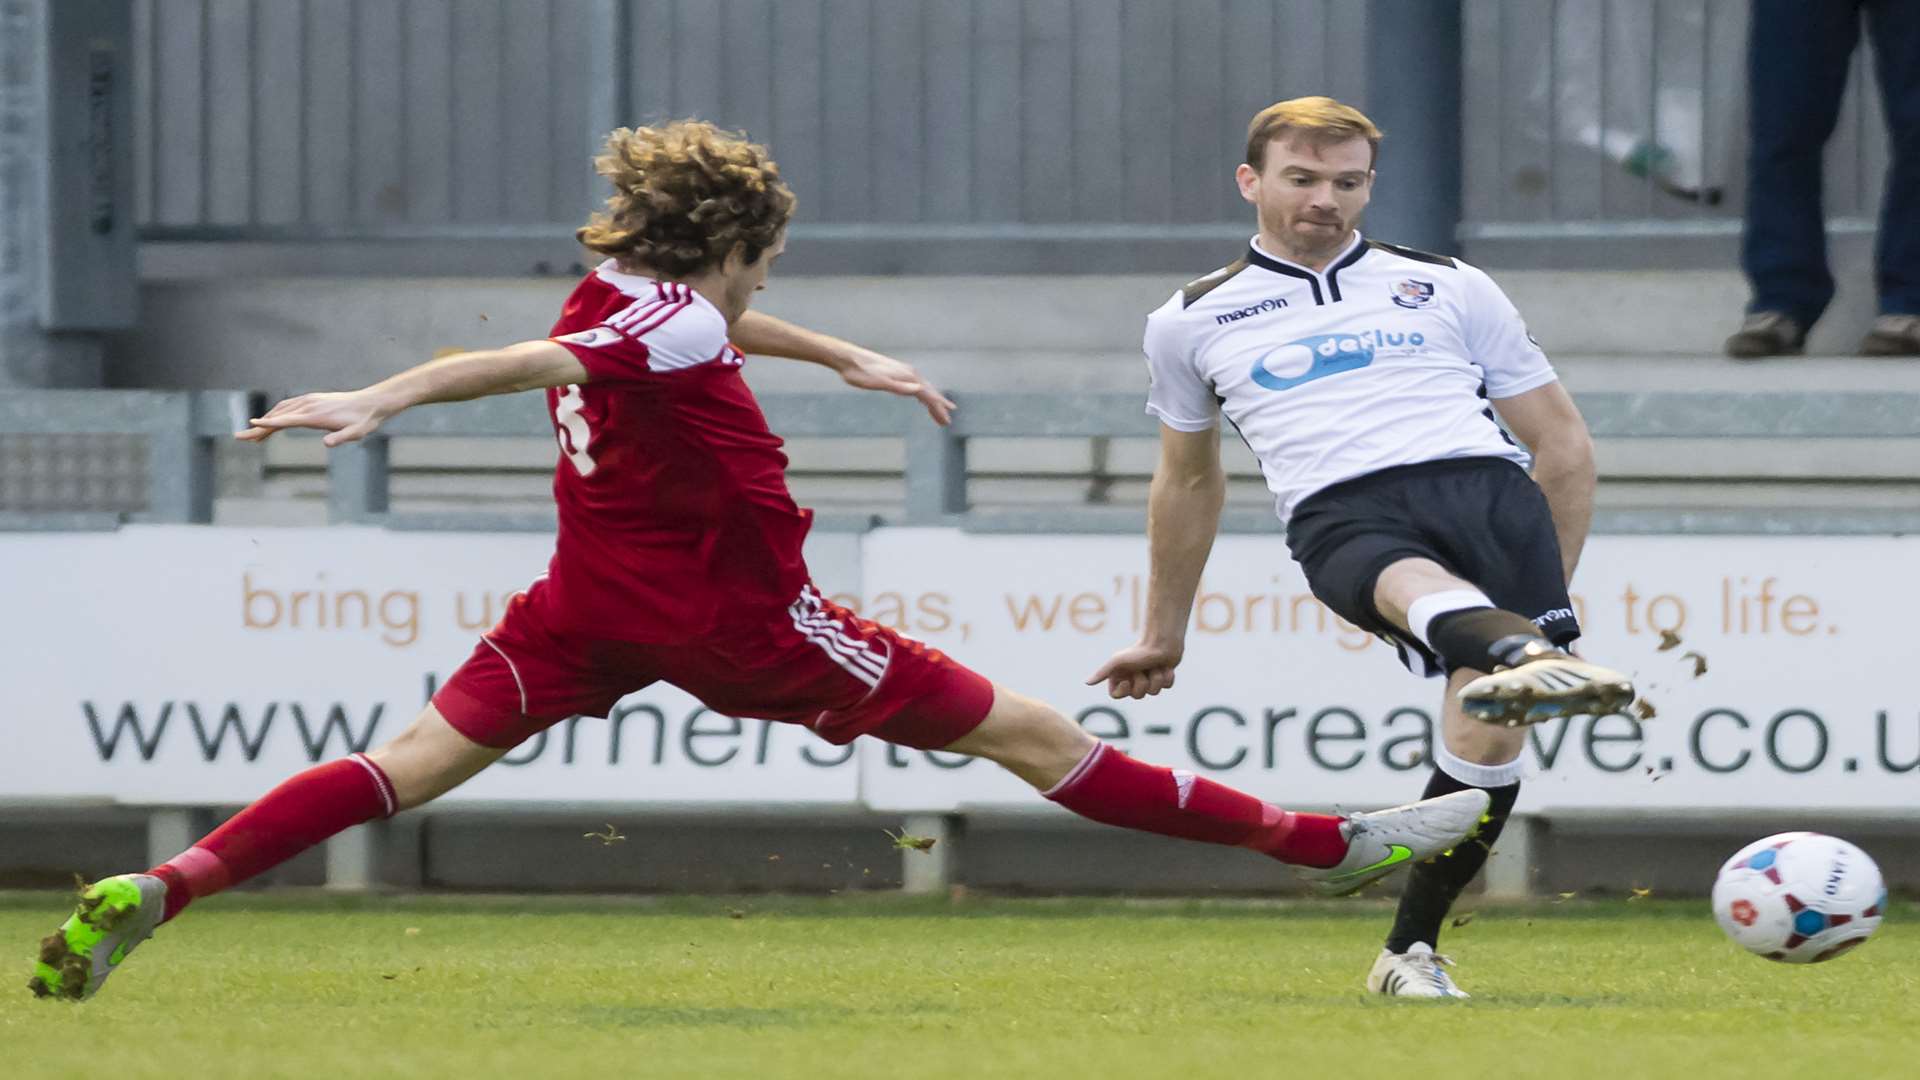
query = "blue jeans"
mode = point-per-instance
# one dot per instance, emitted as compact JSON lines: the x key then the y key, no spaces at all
{"x":1797,"y":60}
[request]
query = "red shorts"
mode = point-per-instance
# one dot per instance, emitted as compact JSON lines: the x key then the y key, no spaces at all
{"x":814,"y":663}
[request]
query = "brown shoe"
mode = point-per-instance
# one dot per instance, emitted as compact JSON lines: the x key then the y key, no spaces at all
{"x":1767,"y":333}
{"x":1892,"y":335}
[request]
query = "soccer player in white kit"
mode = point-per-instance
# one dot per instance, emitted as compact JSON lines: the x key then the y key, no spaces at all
{"x":1367,"y":379}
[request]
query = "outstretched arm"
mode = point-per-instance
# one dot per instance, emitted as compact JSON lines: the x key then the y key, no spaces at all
{"x":765,"y":335}
{"x":1183,"y":516}
{"x":354,"y":414}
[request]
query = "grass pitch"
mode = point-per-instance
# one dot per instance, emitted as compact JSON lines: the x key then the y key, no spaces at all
{"x":880,"y":986}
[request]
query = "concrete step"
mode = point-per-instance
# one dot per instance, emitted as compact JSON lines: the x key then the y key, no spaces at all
{"x":972,"y":332}
{"x":1676,"y":312}
{"x":1829,"y":460}
{"x":298,"y":496}
{"x":1572,"y":312}
{"x":1624,"y":372}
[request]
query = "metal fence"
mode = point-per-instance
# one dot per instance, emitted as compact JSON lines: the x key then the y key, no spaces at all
{"x":274,"y":119}
{"x":322,"y":118}
{"x":180,"y":429}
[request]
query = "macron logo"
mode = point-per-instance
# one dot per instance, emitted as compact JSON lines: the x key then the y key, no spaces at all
{"x":1261,"y":308}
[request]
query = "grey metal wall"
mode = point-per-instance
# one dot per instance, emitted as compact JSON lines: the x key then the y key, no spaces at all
{"x":317,"y":116}
{"x":998,"y":110}
{"x":1002,"y":121}
{"x":1551,"y":83}
{"x":363,"y":117}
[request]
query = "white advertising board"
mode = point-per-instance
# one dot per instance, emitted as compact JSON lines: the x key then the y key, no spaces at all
{"x":193,"y":664}
{"x":1808,"y":698}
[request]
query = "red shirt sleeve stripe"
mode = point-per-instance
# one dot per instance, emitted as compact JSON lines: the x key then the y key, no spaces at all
{"x":660,"y":319}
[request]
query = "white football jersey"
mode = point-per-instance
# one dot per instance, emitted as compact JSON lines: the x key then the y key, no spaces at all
{"x":1385,"y":358}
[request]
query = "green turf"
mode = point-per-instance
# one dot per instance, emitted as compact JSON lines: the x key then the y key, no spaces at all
{"x":890,"y":987}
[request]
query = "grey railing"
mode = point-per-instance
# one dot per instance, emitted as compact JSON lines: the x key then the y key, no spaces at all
{"x":358,"y":473}
{"x":181,"y":429}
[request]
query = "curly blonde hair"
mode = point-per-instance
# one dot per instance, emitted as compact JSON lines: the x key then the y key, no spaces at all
{"x":685,"y":194}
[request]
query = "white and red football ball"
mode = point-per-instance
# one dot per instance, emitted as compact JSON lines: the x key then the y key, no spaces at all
{"x":1799,"y":897}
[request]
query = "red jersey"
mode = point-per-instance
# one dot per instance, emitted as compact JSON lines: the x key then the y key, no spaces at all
{"x":674,"y":509}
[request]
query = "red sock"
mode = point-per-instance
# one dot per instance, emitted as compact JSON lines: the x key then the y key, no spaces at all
{"x":301,"y":812}
{"x":1110,"y":787}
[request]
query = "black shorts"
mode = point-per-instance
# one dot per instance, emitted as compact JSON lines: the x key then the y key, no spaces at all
{"x":1482,"y":518}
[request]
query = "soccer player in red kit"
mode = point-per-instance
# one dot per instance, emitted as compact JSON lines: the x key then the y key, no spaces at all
{"x":678,"y":560}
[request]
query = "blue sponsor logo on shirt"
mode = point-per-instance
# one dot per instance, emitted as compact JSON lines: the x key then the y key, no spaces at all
{"x":1321,"y":355}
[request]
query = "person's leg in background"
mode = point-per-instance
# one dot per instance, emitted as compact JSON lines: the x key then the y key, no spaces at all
{"x":1797,"y":62}
{"x":1893,"y":33}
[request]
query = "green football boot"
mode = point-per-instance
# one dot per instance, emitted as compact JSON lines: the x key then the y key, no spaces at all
{"x":113,"y":916}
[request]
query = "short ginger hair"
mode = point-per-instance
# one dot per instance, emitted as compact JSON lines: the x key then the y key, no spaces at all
{"x":1321,"y":120}
{"x":685,"y":194}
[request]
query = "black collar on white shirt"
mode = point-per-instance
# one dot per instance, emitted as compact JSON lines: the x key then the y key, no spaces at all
{"x":1356,"y":249}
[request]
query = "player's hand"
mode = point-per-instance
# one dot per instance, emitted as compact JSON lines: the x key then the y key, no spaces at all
{"x":346,"y":417}
{"x":870,"y":370}
{"x":1138,"y":671}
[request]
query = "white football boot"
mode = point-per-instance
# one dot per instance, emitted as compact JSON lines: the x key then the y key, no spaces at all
{"x":1417,"y":973}
{"x":1547,"y":685}
{"x":1385,"y":840}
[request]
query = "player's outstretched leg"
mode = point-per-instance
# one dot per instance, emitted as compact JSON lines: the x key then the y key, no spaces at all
{"x":116,"y":914}
{"x":1528,"y":679}
{"x":1337,"y":854}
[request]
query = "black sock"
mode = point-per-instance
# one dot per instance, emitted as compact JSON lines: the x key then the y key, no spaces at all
{"x":1483,"y":638}
{"x":1434,"y":885}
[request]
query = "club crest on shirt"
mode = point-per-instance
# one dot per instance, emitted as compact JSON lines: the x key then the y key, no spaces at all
{"x":1412,"y":294}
